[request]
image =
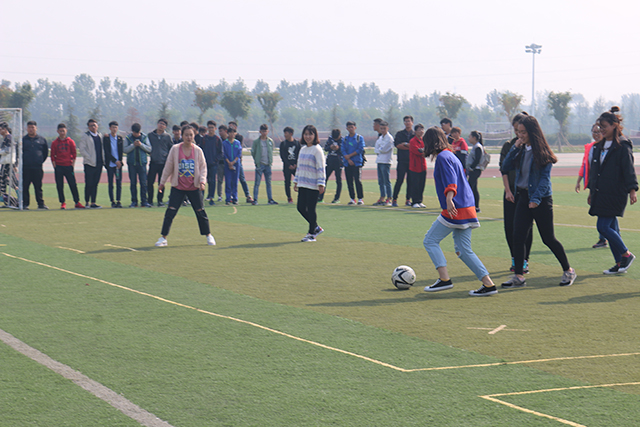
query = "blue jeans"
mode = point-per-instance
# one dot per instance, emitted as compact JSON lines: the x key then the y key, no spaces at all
{"x":266,"y":170}
{"x":138,"y":172}
{"x":461,"y":245}
{"x":243,"y":181}
{"x":608,"y":227}
{"x":384,"y":180}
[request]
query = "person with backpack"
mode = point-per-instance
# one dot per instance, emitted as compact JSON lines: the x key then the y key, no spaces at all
{"x":477,"y":161}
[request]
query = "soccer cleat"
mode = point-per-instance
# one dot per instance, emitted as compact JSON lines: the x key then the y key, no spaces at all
{"x":614,"y":270}
{"x":63,"y":205}
{"x":360,"y":202}
{"x":210,"y":240}
{"x":514,"y":282}
{"x":601,"y":243}
{"x":319,"y":230}
{"x":351,"y":202}
{"x":625,"y":262}
{"x":162,"y":242}
{"x":79,"y":205}
{"x":568,"y":277}
{"x":484,"y":291}
{"x":309,"y":238}
{"x":272,"y":202}
{"x":440,"y":285}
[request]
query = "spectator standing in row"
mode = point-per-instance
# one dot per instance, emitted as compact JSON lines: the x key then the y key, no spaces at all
{"x":177,"y":135}
{"x":34,"y":152}
{"x":243,"y":180}
{"x":446,"y":124}
{"x":333,"y":147}
{"x":384,"y":150}
{"x":289,"y":150}
{"x":353,"y":160}
{"x":232,"y":154}
{"x":63,"y":159}
{"x":136,"y":147}
{"x":112,"y":145}
{"x":212,"y":148}
{"x":90,"y":147}
{"x":459,"y":146}
{"x":417,"y":167}
{"x":262,"y":153}
{"x":160,"y":142}
{"x":402,"y":142}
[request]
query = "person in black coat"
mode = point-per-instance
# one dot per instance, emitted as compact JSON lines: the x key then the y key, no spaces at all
{"x":612,"y":178}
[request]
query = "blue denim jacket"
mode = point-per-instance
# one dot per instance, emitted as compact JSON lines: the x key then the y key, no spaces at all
{"x":539,"y":178}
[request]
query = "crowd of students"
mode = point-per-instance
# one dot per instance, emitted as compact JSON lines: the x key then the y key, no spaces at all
{"x":196,"y":156}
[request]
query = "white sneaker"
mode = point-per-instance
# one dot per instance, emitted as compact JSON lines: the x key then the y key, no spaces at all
{"x":309,"y":238}
{"x":361,"y":202}
{"x":161,"y":242}
{"x":416,"y":205}
{"x":422,"y":205}
{"x":210,"y":240}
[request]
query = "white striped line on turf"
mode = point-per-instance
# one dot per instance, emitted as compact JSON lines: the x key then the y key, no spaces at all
{"x":121,"y":247}
{"x":125,"y":406}
{"x":275,"y":331}
{"x":71,"y":249}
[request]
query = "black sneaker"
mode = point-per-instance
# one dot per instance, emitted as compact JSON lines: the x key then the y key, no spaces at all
{"x":613,"y":270}
{"x":625,"y":262}
{"x":484,"y":291}
{"x":439,"y":286}
{"x":602,"y":243}
{"x":118,"y":205}
{"x":514,"y":282}
{"x":43,"y":207}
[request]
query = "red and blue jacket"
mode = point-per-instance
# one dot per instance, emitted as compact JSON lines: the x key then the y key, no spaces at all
{"x":449,"y":175}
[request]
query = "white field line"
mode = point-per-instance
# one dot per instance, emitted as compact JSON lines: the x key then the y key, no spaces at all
{"x":71,"y":249}
{"x":125,"y":406}
{"x":121,"y":247}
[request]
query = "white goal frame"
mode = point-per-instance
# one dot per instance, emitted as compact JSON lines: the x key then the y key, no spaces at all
{"x":13,"y":117}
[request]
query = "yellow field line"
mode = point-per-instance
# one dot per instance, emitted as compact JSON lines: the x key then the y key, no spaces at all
{"x":71,"y":249}
{"x":492,"y":397}
{"x":284,"y":334}
{"x":121,"y":247}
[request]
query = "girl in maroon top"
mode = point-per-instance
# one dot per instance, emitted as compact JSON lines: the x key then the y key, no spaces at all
{"x":417,"y":167}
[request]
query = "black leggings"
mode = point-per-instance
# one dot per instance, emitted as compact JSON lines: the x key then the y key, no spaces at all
{"x":523,"y":221}
{"x":473,"y":183}
{"x":509,"y":213}
{"x":175,"y":201}
{"x":307,"y":201}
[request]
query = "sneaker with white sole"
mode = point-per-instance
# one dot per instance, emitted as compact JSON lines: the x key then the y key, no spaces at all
{"x":614,"y":270}
{"x":514,"y":282}
{"x":626,"y":262}
{"x":440,"y":285}
{"x":484,"y":291}
{"x":210,"y":240}
{"x":162,"y":242}
{"x":360,"y":202}
{"x":309,"y":238}
{"x":568,"y":277}
{"x":319,"y":230}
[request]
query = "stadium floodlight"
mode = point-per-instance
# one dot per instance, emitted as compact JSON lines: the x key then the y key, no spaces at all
{"x":533,"y":49}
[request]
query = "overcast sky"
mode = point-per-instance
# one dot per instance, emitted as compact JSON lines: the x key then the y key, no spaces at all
{"x":468,"y":47}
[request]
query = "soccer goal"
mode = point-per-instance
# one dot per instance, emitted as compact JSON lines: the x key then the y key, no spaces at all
{"x":11,"y":159}
{"x":497,"y":131}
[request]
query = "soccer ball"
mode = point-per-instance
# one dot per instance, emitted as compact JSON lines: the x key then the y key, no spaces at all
{"x":403,"y":277}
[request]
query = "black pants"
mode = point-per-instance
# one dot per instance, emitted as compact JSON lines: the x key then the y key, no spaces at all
{"x":175,"y":201}
{"x":212,"y":175}
{"x":155,"y":170}
{"x":418,"y":180}
{"x":509,"y":213}
{"x":288,"y":174}
{"x":337,"y":170}
{"x":91,"y":180}
{"x":353,"y":173}
{"x":402,"y":171}
{"x":113,"y":173}
{"x":31,"y":175}
{"x":307,"y":201}
{"x":473,"y":183}
{"x":523,"y":221}
{"x":62,"y":172}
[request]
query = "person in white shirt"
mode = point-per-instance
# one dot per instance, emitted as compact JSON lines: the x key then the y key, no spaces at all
{"x":384,"y":150}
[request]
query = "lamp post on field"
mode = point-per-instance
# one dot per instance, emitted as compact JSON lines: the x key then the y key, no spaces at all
{"x":533,"y":49}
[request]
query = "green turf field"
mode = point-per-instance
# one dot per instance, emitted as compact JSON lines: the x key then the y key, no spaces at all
{"x":263,"y":330}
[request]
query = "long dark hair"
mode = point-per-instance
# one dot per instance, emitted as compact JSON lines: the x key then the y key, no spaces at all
{"x":435,"y":142}
{"x":613,"y":118}
{"x":542,"y":153}
{"x":477,"y":135}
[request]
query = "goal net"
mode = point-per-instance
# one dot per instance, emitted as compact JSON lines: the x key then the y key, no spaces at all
{"x":11,"y":158}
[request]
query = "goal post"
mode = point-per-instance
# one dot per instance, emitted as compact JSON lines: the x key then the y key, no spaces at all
{"x":11,"y":160}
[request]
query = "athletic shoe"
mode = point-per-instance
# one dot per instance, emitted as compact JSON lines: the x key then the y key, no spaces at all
{"x":118,"y":205}
{"x":568,"y":277}
{"x":351,"y":202}
{"x":81,"y":206}
{"x":162,"y":204}
{"x":514,"y":282}
{"x":407,"y":203}
{"x":416,"y":205}
{"x":394,"y":204}
{"x":43,"y":207}
{"x":422,"y":205}
{"x":210,"y":240}
{"x":360,"y":202}
{"x":219,"y":198}
{"x":625,"y":262}
{"x":387,"y":202}
{"x":335,"y":201}
{"x":235,"y":202}
{"x":227,"y":203}
{"x":146,"y":205}
{"x":525,"y":267}
{"x":133,"y":205}
{"x":249,"y":200}
{"x":484,"y":291}
{"x":211,"y":202}
{"x":272,"y":202}
{"x":255,"y":202}
{"x":601,"y":243}
{"x":478,"y":210}
{"x":161,"y":242}
{"x":379,"y":202}
{"x":290,"y":200}
{"x":614,"y":270}
{"x":309,"y":238}
{"x":113,"y":204}
{"x":319,"y":230}
{"x":94,"y":206}
{"x":440,"y":285}
{"x":63,"y":205}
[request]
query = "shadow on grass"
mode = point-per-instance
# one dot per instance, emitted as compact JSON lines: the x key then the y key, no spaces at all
{"x":604,"y":297}
{"x":260,"y":245}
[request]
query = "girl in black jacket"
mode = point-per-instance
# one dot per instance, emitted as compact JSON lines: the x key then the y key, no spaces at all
{"x":612,"y":177}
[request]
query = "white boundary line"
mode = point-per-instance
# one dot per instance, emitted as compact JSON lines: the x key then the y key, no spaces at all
{"x":121,"y":247}
{"x":125,"y":406}
{"x":71,"y":249}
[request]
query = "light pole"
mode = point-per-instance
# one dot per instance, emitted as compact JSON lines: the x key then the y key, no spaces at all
{"x":533,"y":49}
